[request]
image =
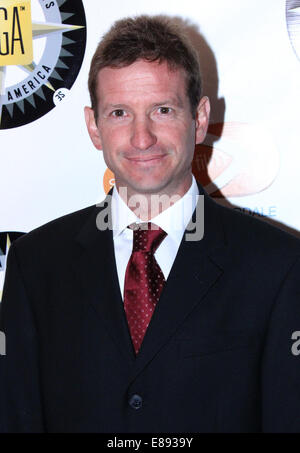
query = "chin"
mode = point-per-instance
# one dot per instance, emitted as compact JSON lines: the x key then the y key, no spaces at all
{"x":148,"y":187}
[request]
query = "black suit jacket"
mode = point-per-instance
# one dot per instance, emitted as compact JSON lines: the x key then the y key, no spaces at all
{"x":217,"y":354}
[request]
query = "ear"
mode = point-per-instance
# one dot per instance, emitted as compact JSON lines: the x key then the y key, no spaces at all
{"x":92,"y":127}
{"x":202,"y":119}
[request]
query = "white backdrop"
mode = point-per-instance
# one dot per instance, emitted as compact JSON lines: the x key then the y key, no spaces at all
{"x":50,"y":168}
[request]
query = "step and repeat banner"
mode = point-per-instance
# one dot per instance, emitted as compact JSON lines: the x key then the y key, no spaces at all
{"x":250,"y":62}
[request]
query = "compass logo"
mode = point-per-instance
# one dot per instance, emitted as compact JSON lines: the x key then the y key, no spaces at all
{"x":293,"y":24}
{"x":42,"y":45}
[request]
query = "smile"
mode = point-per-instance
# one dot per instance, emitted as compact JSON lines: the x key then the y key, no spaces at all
{"x":145,"y":160}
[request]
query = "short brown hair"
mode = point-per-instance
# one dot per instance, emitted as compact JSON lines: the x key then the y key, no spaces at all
{"x":150,"y":38}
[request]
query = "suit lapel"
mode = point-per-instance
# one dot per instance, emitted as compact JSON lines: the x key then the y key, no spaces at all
{"x":95,"y":270}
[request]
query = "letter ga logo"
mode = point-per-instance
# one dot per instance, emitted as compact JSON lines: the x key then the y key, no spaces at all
{"x":42,"y":45}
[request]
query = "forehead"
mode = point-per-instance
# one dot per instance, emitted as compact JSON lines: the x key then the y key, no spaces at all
{"x":140,"y":80}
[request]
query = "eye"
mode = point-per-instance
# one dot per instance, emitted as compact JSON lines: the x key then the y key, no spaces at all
{"x":164,"y":110}
{"x":118,"y":113}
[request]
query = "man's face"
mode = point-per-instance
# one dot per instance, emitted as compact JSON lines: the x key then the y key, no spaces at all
{"x":145,"y":127}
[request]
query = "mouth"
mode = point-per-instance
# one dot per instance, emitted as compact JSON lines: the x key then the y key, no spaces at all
{"x":146,"y":160}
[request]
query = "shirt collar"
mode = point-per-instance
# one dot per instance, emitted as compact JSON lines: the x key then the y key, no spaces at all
{"x":172,"y":220}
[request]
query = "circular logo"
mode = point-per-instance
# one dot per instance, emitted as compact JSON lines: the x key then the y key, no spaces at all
{"x":293,"y":24}
{"x":42,"y":45}
{"x":229,"y":163}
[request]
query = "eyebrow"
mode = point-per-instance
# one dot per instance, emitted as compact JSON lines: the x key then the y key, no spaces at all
{"x":178,"y":103}
{"x":115,"y":106}
{"x":175,"y":102}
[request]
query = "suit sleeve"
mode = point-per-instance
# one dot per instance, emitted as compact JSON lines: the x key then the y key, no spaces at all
{"x":281,"y":360}
{"x":20,"y":395}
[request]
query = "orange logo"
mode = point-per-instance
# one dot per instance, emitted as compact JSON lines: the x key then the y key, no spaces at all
{"x":108,"y":180}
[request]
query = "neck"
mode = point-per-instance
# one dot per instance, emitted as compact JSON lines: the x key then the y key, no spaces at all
{"x":146,"y":206}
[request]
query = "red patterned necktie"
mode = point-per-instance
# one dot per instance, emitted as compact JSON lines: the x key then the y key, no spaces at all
{"x":144,"y":280}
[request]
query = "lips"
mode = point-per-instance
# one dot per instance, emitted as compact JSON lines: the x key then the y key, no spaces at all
{"x":146,"y":159}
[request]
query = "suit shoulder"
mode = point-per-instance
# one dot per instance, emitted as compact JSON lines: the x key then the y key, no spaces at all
{"x":257,"y":233}
{"x":57,"y":230}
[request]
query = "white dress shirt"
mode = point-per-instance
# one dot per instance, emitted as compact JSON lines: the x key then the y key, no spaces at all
{"x":172,"y":220}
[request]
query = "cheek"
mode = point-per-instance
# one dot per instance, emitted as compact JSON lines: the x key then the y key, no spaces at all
{"x":171,"y":137}
{"x":179,"y":133}
{"x":111,"y":141}
{"x":180,"y":142}
{"x":189,"y":141}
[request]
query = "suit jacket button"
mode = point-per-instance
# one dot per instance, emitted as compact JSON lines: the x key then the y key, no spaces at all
{"x":136,"y":401}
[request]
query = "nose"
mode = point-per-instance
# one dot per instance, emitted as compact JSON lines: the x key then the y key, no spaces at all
{"x":143,"y":135}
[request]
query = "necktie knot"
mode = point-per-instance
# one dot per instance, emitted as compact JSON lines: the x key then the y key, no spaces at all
{"x":147,"y":237}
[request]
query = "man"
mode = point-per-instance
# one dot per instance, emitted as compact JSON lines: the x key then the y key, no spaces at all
{"x":112,"y":326}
